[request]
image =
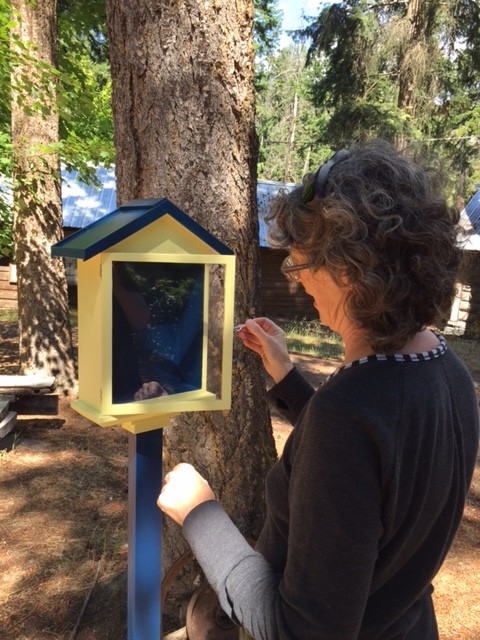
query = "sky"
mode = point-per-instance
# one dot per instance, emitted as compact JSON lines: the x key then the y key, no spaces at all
{"x":292,"y":11}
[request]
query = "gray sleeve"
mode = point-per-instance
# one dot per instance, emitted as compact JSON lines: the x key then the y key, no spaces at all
{"x":334,"y":525}
{"x":245,"y":583}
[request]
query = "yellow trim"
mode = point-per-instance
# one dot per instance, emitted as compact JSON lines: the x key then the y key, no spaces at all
{"x":90,"y":330}
{"x":141,"y":424}
{"x":94,"y":415}
{"x":229,"y":296}
{"x":206,"y":296}
{"x":166,"y":404}
{"x":107,"y":330}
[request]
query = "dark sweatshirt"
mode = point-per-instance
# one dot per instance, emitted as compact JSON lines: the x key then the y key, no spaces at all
{"x":362,"y":507}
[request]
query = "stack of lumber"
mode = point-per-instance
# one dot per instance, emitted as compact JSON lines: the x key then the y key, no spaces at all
{"x":25,"y":395}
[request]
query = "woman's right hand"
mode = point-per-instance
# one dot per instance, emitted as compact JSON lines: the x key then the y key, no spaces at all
{"x":267,"y":339}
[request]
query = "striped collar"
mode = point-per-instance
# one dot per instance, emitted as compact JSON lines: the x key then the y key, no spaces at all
{"x":397,"y":357}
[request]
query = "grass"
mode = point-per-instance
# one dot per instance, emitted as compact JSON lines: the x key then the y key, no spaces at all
{"x":309,"y":337}
{"x":11,"y":315}
{"x":8,"y":315}
{"x":469,"y":352}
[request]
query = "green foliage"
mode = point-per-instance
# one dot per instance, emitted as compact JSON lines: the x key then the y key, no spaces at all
{"x":288,"y":124}
{"x":6,"y":223}
{"x":402,"y":76}
{"x":408,"y":72}
{"x":5,"y":26}
{"x":350,"y":47}
{"x":80,"y":87}
{"x":266,"y":34}
{"x":8,"y":315}
{"x":84,"y":96}
{"x":167,"y":290}
{"x":267,"y":24}
{"x":80,"y":90}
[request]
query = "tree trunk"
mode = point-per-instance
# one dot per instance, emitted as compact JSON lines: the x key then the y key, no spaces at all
{"x":183,"y":104}
{"x":298,"y":62}
{"x":45,"y":338}
{"x":288,"y":175}
{"x":415,"y":61}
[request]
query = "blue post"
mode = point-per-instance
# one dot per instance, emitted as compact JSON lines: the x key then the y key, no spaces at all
{"x":144,"y":535}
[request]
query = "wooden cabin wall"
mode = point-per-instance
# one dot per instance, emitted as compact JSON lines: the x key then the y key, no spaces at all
{"x":8,"y":289}
{"x":280,"y":299}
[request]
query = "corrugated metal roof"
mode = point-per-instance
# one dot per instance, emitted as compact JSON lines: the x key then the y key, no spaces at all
{"x":85,"y":203}
{"x":473,"y":211}
{"x":470,"y":223}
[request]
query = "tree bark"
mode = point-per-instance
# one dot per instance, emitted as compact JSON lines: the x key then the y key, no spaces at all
{"x":288,"y":175}
{"x":414,"y":63}
{"x":45,"y":338}
{"x":183,"y":104}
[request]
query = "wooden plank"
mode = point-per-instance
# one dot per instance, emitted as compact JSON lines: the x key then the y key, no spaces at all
{"x":27,"y":382}
{"x":8,"y":423}
{"x":9,"y":294}
{"x":4,"y":404}
{"x":9,"y":276}
{"x":8,"y":304}
{"x":8,"y":290}
{"x":36,"y":404}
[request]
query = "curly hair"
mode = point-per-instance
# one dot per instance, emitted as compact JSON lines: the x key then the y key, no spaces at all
{"x":384,"y":227}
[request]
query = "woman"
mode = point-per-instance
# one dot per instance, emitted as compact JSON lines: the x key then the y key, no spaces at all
{"x":363,"y":505}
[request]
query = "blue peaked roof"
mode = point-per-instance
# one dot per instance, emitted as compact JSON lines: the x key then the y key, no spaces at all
{"x":86,"y":203}
{"x":133,"y":216}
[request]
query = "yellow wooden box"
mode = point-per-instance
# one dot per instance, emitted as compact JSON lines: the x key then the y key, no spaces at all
{"x":155,"y":311}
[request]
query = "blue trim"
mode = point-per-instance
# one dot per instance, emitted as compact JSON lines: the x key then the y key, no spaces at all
{"x":124,"y":222}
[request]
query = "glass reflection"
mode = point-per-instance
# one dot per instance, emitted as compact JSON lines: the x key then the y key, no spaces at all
{"x":157,"y":329}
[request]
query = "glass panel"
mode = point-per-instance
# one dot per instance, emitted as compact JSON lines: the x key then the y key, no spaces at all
{"x":157,"y":329}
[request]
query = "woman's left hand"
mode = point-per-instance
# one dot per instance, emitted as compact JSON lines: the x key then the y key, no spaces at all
{"x":183,"y":490}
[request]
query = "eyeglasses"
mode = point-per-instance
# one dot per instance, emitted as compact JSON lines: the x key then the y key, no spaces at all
{"x":316,"y":185}
{"x":290,"y":269}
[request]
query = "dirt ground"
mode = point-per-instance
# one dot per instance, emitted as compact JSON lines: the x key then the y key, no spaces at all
{"x":63,"y":528}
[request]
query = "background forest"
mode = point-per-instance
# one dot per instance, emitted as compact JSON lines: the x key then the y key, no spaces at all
{"x":406,"y":71}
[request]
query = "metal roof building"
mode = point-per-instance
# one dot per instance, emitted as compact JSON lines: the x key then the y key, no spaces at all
{"x":470,"y":223}
{"x":86,"y":203}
